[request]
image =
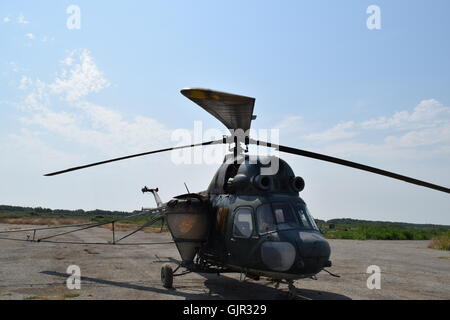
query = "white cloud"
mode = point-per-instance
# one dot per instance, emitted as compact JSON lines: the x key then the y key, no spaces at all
{"x":290,"y":126}
{"x":68,"y":60}
{"x":403,"y":134}
{"x":82,"y":78}
{"x":290,"y":123}
{"x":58,"y":122}
{"x":29,"y":141}
{"x":25,"y":82}
{"x":60,"y":108}
{"x":427,"y":125}
{"x":30,"y":36}
{"x":380,"y":151}
{"x":428,"y":113}
{"x":21,"y":19}
{"x":15,"y":67}
{"x":422,"y":137}
{"x":6,"y":19}
{"x":338,"y":132}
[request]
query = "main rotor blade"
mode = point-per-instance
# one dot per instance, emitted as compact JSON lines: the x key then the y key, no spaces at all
{"x":133,"y":156}
{"x":234,"y":111}
{"x":351,"y":164}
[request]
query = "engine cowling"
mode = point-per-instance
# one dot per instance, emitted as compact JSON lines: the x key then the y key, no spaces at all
{"x":262,"y":182}
{"x":298,"y":184}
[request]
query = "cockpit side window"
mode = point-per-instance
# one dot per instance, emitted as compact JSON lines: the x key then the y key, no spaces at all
{"x":265,"y":219}
{"x":243,"y":223}
{"x":306,"y":220}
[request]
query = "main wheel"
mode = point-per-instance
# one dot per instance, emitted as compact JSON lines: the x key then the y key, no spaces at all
{"x":167,"y":275}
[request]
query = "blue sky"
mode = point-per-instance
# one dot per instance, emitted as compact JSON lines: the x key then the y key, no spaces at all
{"x":317,"y":72}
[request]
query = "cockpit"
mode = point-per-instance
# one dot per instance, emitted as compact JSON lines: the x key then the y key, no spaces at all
{"x":286,"y":233}
{"x":284,"y":216}
{"x":271,"y":217}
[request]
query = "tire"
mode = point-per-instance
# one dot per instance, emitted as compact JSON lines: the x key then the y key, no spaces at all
{"x":167,"y":276}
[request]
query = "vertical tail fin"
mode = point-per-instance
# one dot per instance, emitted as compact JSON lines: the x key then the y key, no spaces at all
{"x":158,"y":201}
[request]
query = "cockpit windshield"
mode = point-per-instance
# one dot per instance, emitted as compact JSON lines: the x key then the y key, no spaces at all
{"x":283,"y":216}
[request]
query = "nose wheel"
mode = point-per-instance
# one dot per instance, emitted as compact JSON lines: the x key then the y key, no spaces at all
{"x":167,"y":276}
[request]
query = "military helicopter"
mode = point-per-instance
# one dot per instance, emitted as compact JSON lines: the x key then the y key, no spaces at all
{"x":246,"y":221}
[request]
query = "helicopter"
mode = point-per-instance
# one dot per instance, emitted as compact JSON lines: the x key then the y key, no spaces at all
{"x":247,"y":221}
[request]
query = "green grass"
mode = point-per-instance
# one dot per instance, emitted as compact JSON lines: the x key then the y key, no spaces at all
{"x":71,"y":295}
{"x":381,"y":232}
{"x":441,"y":242}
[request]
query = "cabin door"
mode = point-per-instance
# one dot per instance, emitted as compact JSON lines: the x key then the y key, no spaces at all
{"x":243,"y":238}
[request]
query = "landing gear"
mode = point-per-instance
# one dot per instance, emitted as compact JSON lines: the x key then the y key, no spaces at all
{"x":292,"y":294}
{"x":167,"y":276}
{"x":182,"y":268}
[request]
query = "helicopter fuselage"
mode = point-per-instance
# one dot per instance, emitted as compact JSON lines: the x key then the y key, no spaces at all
{"x":259,"y":225}
{"x":246,"y":236}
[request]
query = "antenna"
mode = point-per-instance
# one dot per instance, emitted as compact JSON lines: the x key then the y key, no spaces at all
{"x":186,"y":187}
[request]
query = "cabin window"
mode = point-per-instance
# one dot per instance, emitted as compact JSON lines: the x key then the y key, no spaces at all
{"x":265,"y":219}
{"x":243,"y":223}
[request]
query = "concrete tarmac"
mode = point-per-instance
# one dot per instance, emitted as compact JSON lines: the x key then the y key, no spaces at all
{"x":28,"y":270}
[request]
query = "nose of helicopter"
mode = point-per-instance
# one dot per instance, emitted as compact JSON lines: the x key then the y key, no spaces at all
{"x":313,"y":252}
{"x":299,"y":251}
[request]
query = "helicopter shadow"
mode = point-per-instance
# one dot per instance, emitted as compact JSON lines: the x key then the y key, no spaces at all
{"x":219,"y":287}
{"x":225,"y":287}
{"x":130,"y":285}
